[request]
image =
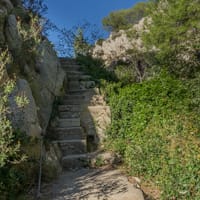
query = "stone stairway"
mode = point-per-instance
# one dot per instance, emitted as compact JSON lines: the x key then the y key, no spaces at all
{"x":72,"y":132}
{"x":71,"y":138}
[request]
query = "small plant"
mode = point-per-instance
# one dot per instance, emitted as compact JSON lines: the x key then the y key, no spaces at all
{"x":30,"y":33}
{"x":99,"y":162}
{"x":10,"y":139}
{"x":95,"y":68}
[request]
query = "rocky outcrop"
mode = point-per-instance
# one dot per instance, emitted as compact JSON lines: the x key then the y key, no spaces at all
{"x":5,"y":8}
{"x":48,"y":82}
{"x":115,"y":48}
{"x":36,"y":67}
{"x":12,"y":35}
{"x":25,"y":118}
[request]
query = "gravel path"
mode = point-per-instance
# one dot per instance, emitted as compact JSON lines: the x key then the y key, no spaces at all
{"x":91,"y":184}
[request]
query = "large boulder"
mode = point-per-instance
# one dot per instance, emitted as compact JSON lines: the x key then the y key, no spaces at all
{"x":5,"y":7}
{"x":13,"y":37}
{"x":95,"y":118}
{"x":6,"y":4}
{"x":17,"y":3}
{"x":101,"y":116}
{"x":52,"y":162}
{"x":48,"y":82}
{"x":24,"y":118}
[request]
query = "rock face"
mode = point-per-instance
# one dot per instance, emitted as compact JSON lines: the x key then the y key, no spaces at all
{"x":5,"y":7}
{"x":101,"y":116}
{"x":13,"y":38}
{"x":48,"y":83}
{"x":116,"y":46}
{"x":38,"y":73}
{"x":26,"y":118}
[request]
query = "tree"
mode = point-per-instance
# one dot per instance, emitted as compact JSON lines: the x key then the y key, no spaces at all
{"x":124,"y":19}
{"x":81,"y":47}
{"x":38,"y":8}
{"x":89,"y":33}
{"x":175,"y":33}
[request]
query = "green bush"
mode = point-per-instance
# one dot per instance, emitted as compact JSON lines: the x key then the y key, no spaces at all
{"x":124,"y":19}
{"x":155,"y":127}
{"x":126,"y":74}
{"x":95,"y":68}
{"x":13,"y":177}
{"x":175,"y":34}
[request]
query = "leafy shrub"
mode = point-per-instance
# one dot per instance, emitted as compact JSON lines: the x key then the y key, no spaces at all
{"x":81,"y":47}
{"x":31,"y":36}
{"x":155,"y":126}
{"x":124,"y":19}
{"x":95,"y":68}
{"x":12,"y":156}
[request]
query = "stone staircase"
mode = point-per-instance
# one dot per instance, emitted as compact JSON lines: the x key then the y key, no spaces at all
{"x":71,"y":137}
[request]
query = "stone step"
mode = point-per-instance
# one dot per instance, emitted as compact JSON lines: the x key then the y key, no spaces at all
{"x":70,"y":122}
{"x":73,"y":85}
{"x":73,"y":133}
{"x":67,"y":61}
{"x":71,"y":67}
{"x":88,"y":93}
{"x":72,"y":101}
{"x":75,"y":73}
{"x":80,"y":85}
{"x":71,"y":147}
{"x":87,"y":84}
{"x":78,"y":77}
{"x":75,"y":161}
{"x":69,"y":114}
{"x":74,"y":97}
{"x":91,"y":132}
{"x":77,"y":91}
{"x":71,"y":108}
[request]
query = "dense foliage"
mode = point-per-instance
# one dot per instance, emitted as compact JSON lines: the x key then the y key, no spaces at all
{"x":11,"y":154}
{"x":175,"y":33}
{"x":81,"y":47}
{"x":155,"y":127}
{"x":78,"y":39}
{"x":125,"y":19}
{"x":156,"y":121}
{"x":95,"y":68}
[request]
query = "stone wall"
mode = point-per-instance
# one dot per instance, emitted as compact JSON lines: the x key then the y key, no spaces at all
{"x":39,"y":75}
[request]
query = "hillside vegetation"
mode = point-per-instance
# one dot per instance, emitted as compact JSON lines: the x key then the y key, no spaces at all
{"x":124,"y":19}
{"x":156,"y":116}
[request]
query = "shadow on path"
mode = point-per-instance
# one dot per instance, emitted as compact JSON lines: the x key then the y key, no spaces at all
{"x":91,"y":184}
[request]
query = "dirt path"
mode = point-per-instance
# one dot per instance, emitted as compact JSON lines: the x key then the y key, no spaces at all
{"x":91,"y":184}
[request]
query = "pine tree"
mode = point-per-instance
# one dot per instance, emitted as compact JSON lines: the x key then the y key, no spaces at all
{"x":81,"y":47}
{"x":175,"y":32}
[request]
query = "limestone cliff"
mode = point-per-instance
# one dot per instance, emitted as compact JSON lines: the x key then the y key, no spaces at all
{"x":116,"y":47}
{"x":35,"y":65}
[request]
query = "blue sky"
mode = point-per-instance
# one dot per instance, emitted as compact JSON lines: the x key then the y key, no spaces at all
{"x":66,"y":13}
